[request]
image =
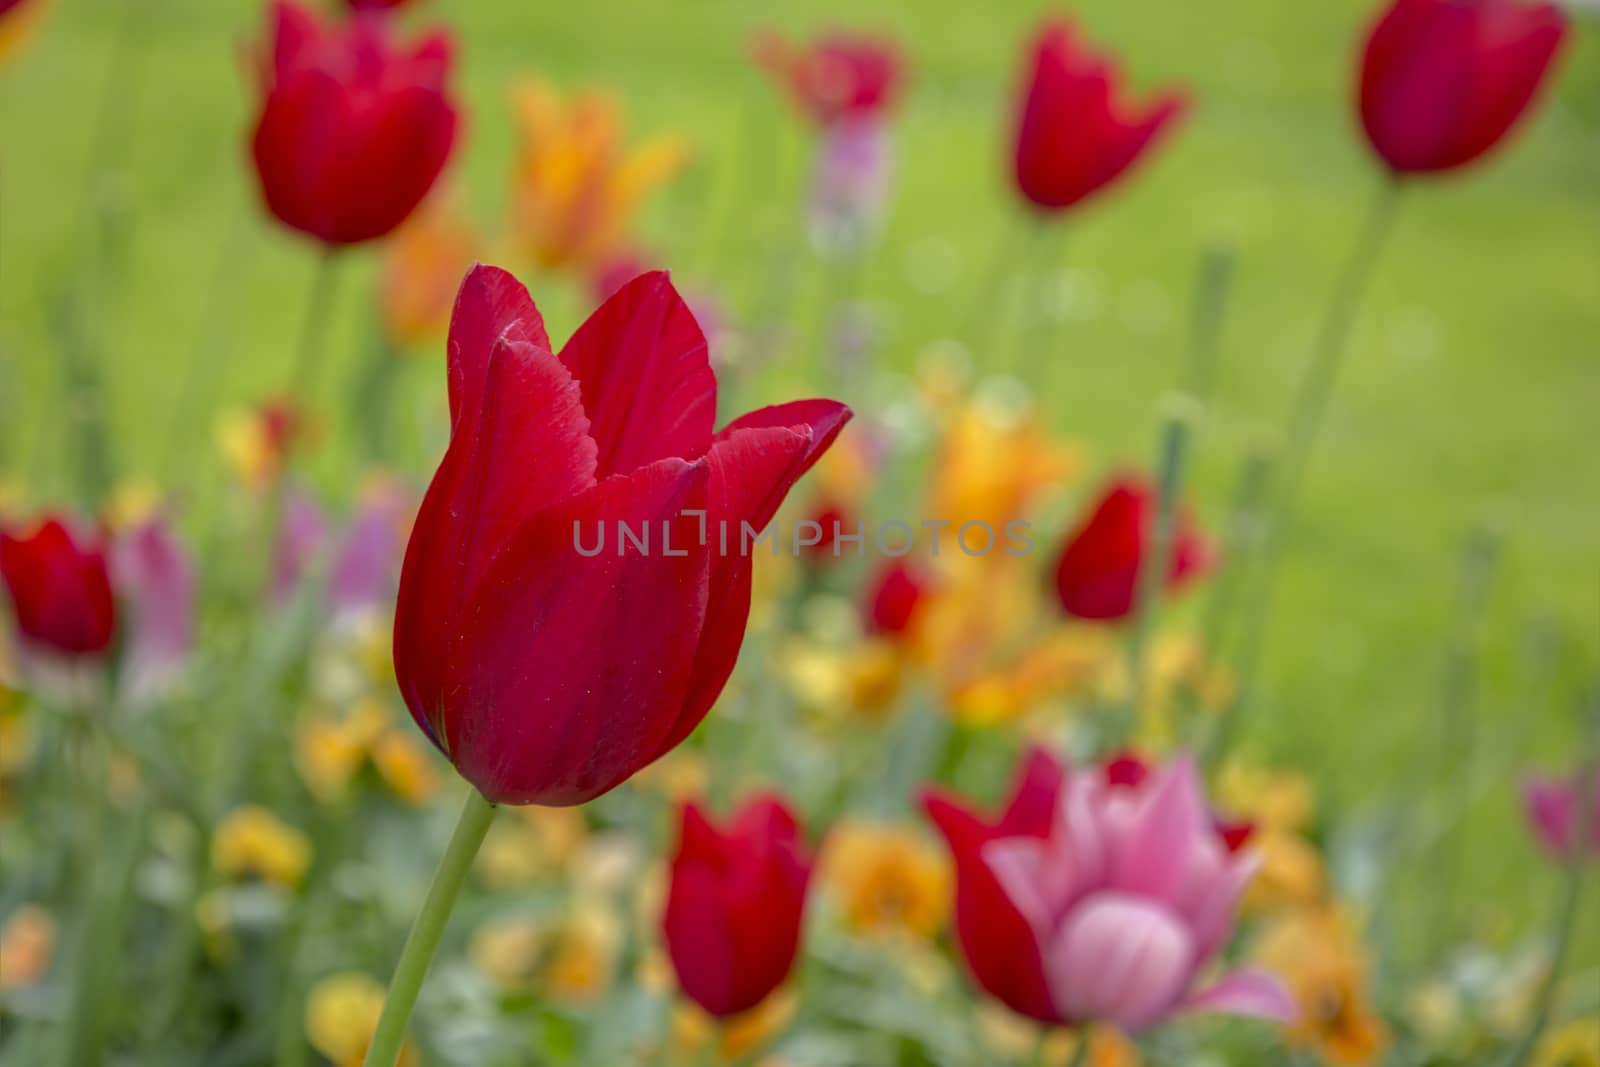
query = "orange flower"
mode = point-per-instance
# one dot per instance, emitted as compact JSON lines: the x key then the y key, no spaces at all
{"x":423,"y":264}
{"x":575,"y":187}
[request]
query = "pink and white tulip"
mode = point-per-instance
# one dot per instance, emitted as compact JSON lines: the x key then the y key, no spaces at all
{"x":1130,"y":898}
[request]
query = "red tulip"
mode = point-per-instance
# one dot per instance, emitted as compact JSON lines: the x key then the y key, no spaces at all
{"x":995,"y":940}
{"x":1098,"y":572}
{"x":1443,"y":81}
{"x":893,"y":598}
{"x":353,"y":129}
{"x":546,"y":670}
{"x":1555,"y":809}
{"x":60,"y":588}
{"x":735,"y":905}
{"x":1074,"y":133}
{"x":839,"y":76}
{"x":376,"y":5}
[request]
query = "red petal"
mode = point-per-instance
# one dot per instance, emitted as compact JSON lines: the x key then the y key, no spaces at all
{"x":754,"y":462}
{"x":567,"y":671}
{"x":490,"y":305}
{"x":647,"y":383}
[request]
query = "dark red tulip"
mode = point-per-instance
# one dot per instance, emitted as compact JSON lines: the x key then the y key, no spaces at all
{"x":354,"y":129}
{"x":735,"y":905}
{"x":1443,"y":81}
{"x":838,"y":76}
{"x":997,"y":943}
{"x":547,"y":669}
{"x":376,"y":5}
{"x":1075,"y":133}
{"x":1098,"y":573}
{"x":60,"y":588}
{"x":893,"y":597}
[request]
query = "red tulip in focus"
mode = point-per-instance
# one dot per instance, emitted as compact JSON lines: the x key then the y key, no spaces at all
{"x":569,"y":608}
{"x":1556,"y":810}
{"x":1097,"y":575}
{"x":893,"y":597}
{"x":1443,"y":81}
{"x":735,"y":905}
{"x":1075,"y":132}
{"x":60,"y":588}
{"x":353,"y":129}
{"x":837,"y":77}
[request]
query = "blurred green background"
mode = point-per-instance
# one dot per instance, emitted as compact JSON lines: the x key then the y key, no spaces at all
{"x":1470,"y":390}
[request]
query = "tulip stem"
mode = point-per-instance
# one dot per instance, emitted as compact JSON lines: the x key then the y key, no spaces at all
{"x":1177,"y":423}
{"x":421,"y":943}
{"x":1080,"y":1053}
{"x":314,"y":328}
{"x":1300,"y":435}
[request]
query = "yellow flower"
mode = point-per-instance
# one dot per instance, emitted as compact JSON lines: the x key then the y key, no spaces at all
{"x":328,"y":752}
{"x":27,"y":945}
{"x":995,"y":459}
{"x":736,"y":1038}
{"x":17,"y":23}
{"x":508,"y":951}
{"x":1291,"y":874}
{"x":251,"y":840}
{"x":1575,"y":1044}
{"x":1016,"y":1038}
{"x":583,"y":955}
{"x":535,"y":843}
{"x":254,"y":443}
{"x":423,"y":264}
{"x":575,"y":188}
{"x":680,"y":776}
{"x":342,"y":1015}
{"x":406,"y":766}
{"x":131,"y":503}
{"x":1315,"y":952}
{"x":1272,"y":799}
{"x":888,"y":879}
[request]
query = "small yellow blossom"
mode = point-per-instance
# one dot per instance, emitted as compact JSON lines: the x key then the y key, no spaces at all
{"x":575,"y":188}
{"x":735,"y":1038}
{"x":995,"y":459}
{"x":254,"y":443}
{"x":583,"y":955}
{"x":130,"y":504}
{"x":1315,"y":952}
{"x":406,"y":766}
{"x":1291,"y":874}
{"x":252,"y":841}
{"x":1016,"y":1039}
{"x":679,"y":776}
{"x":342,"y":1015}
{"x":1574,"y":1044}
{"x":27,"y":945}
{"x":1272,"y":799}
{"x":508,"y":952}
{"x":887,"y":879}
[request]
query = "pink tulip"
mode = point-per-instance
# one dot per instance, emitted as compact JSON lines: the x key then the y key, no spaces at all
{"x":154,"y":577}
{"x":1129,"y":898}
{"x":1553,"y":809}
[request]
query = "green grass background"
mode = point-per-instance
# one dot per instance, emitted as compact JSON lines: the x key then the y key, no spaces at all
{"x":1470,"y":390}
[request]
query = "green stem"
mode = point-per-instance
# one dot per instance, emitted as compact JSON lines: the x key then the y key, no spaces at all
{"x":1177,"y":425}
{"x":1305,"y":421}
{"x":1205,"y":327}
{"x":476,"y":815}
{"x":1080,"y":1055}
{"x":1564,"y":929}
{"x":314,"y":328}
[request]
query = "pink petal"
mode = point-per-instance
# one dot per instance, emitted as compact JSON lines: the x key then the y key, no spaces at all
{"x":1249,"y":992}
{"x":1152,"y":856}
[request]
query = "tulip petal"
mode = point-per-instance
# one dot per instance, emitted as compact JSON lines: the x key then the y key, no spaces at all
{"x":491,"y":306}
{"x":567,"y":673}
{"x":154,"y":574}
{"x":1152,"y":856}
{"x":647,"y":383}
{"x":523,"y":449}
{"x":1249,"y":992}
{"x":753,"y":464}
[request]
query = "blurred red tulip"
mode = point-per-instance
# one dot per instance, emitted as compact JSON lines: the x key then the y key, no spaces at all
{"x":735,"y":905}
{"x":892,"y":598}
{"x":376,"y":5}
{"x":60,"y":588}
{"x":995,"y":940}
{"x":1074,"y":134}
{"x":838,"y":76}
{"x":550,"y":671}
{"x":353,"y":130}
{"x":1555,"y":810}
{"x":1098,"y":573}
{"x":1443,"y":81}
